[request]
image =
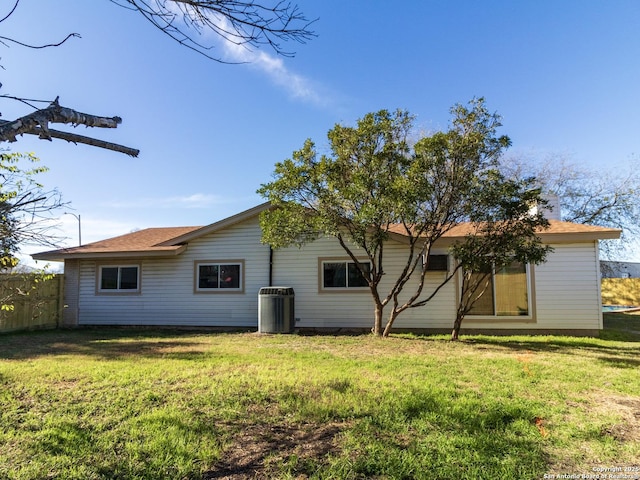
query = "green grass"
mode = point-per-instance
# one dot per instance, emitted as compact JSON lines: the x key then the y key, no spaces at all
{"x":152,"y":404}
{"x":621,"y":326}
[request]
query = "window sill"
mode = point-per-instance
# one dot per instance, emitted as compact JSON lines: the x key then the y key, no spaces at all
{"x":496,"y":319}
{"x":344,"y":290}
{"x":118,"y":293}
{"x":218,"y":291}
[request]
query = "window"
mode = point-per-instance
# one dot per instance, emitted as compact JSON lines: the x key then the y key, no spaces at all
{"x":219,"y":276}
{"x":341,"y":274}
{"x":438,"y":263}
{"x":119,"y":278}
{"x":506,"y":295}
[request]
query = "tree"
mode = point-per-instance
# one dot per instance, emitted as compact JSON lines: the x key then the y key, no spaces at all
{"x":247,"y":23}
{"x":608,"y":198}
{"x":503,"y":232}
{"x":373,"y":184}
{"x":26,"y":209}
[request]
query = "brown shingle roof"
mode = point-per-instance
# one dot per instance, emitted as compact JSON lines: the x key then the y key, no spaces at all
{"x":557,"y":230}
{"x":144,"y":242}
{"x":146,"y":238}
{"x":149,"y":242}
{"x":170,"y":241}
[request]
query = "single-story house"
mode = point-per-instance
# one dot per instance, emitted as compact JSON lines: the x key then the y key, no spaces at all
{"x":211,"y":276}
{"x":611,"y":269}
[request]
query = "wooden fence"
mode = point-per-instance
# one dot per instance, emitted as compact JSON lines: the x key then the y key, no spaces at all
{"x":36,"y":302}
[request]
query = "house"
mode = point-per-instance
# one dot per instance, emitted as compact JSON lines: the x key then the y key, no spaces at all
{"x":210,"y":277}
{"x":611,"y":269}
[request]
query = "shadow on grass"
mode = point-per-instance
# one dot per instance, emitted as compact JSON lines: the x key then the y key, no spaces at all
{"x":554,"y":344}
{"x":613,"y":354}
{"x":617,"y":328}
{"x":114,"y":342}
{"x":623,"y":322}
{"x":432,"y":437}
{"x":105,"y":343}
{"x":620,"y":362}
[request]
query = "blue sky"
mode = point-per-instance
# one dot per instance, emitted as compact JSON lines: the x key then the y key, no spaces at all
{"x":564,"y":74}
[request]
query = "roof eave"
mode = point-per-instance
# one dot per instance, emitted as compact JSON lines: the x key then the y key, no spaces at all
{"x":548,"y":238}
{"x":580,"y":237}
{"x":61,"y":255}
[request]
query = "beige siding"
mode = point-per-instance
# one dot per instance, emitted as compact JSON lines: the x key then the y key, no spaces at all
{"x":299,"y":269}
{"x":565,"y":289}
{"x":167,"y":286}
{"x":565,"y":292}
{"x":568,"y":288}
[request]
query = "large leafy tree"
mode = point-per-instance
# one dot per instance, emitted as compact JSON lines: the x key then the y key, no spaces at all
{"x":607,"y":197}
{"x":247,"y":23}
{"x":373,"y":183}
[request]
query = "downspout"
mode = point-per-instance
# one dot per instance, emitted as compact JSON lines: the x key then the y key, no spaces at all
{"x":599,"y":283}
{"x":270,"y":266}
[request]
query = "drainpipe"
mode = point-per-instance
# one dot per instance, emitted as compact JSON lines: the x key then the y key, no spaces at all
{"x":270,"y":266}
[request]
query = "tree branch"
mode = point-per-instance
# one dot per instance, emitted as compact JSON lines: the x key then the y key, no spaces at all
{"x":36,"y":47}
{"x":37,"y":123}
{"x":239,"y":22}
{"x":13,"y":9}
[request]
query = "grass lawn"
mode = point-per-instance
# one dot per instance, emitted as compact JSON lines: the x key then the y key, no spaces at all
{"x":153,"y":404}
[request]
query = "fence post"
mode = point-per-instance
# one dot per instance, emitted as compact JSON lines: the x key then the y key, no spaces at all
{"x":60,"y":279}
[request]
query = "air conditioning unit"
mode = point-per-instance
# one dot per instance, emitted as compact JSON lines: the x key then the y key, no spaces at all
{"x":276,"y":312}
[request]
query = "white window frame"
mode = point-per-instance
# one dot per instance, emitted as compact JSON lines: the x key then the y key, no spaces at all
{"x":346,"y":288}
{"x":118,"y":290}
{"x":218,"y":263}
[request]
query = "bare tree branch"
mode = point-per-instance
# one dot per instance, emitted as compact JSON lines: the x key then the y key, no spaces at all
{"x":36,"y":47}
{"x":76,"y":138}
{"x":13,"y":9}
{"x":37,"y":123}
{"x":23,"y":100}
{"x":608,"y":198}
{"x":239,"y":22}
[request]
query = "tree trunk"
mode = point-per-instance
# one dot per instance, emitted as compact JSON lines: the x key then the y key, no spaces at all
{"x":377,"y":321}
{"x":389,"y":325}
{"x":455,"y":334}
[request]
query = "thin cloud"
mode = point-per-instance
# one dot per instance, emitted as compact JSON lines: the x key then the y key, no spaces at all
{"x":196,"y":200}
{"x":274,"y":68}
{"x":298,"y":86}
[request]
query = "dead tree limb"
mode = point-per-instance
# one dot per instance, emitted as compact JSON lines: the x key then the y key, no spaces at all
{"x":75,"y":138}
{"x":37,"y":123}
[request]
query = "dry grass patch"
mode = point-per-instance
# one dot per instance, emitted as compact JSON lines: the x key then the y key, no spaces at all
{"x":625,"y":414}
{"x":613,"y":425}
{"x":264,"y":451}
